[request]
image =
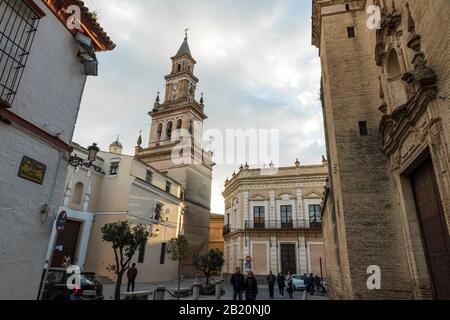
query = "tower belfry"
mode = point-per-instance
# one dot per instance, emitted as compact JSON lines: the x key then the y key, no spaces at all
{"x":177,"y":119}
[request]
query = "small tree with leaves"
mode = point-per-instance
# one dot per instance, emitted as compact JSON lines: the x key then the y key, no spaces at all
{"x":125,"y":239}
{"x":178,"y":249}
{"x":209,"y":263}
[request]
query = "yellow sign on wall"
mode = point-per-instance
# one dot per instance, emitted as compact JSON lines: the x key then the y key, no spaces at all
{"x":32,"y":170}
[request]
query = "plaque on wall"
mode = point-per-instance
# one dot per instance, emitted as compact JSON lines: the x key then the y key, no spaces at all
{"x":32,"y":170}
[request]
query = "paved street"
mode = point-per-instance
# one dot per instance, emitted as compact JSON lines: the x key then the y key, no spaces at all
{"x":108,"y":291}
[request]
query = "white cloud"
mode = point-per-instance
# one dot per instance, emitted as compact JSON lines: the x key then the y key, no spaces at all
{"x":255,"y":63}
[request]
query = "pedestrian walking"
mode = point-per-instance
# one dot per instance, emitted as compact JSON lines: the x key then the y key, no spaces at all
{"x":311,"y":284}
{"x":271,"y":279}
{"x":281,"y":284}
{"x":132,"y":275}
{"x":318,"y":284}
{"x":251,"y":287}
{"x":290,"y":285}
{"x":306,"y":282}
{"x":238,"y":283}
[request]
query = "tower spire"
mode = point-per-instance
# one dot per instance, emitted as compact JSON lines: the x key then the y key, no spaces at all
{"x":184,"y":49}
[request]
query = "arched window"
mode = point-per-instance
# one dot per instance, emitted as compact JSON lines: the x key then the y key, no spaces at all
{"x":78,"y":193}
{"x":397,"y":88}
{"x":160,"y":128}
{"x":169,"y":130}
{"x":179,"y":68}
{"x":191,"y":128}
{"x":393,"y":65}
{"x":179,"y":123}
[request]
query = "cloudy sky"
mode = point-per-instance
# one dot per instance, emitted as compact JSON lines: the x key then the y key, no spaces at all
{"x":256,"y":67}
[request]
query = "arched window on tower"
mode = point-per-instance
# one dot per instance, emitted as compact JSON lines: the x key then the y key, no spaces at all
{"x":179,"y":68}
{"x":397,"y":88}
{"x":160,"y":128}
{"x":78,"y":193}
{"x":178,"y":130}
{"x":169,"y":130}
{"x":191,"y":128}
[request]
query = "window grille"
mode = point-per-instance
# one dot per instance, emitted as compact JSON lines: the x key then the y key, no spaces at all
{"x":18,"y":26}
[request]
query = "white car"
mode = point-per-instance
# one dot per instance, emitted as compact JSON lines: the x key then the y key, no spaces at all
{"x":299,"y":282}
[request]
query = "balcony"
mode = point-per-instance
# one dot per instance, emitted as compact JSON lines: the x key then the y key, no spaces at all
{"x":226,"y":229}
{"x":283,"y":225}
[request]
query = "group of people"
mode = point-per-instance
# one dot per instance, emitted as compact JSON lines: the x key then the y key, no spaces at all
{"x":242,"y":284}
{"x":249,"y":285}
{"x":283,"y":281}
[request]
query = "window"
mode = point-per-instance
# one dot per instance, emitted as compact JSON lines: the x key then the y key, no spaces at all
{"x":179,"y":68}
{"x":363,"y":131}
{"x":163,"y":254}
{"x":169,"y":129}
{"x":351,"y":32}
{"x":158,"y":211}
{"x":168,"y":186}
{"x":160,"y":128}
{"x":286,"y":216}
{"x":347,"y":7}
{"x":149,"y":177}
{"x":18,"y":26}
{"x":259,"y":217}
{"x":182,"y":195}
{"x":315,"y":213}
{"x":78,"y":193}
{"x":141,"y":256}
{"x":114,"y":169}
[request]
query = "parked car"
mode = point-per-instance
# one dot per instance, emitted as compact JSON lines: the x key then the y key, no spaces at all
{"x":299,"y":282}
{"x":56,"y":286}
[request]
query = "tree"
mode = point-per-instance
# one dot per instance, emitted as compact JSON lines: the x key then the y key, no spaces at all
{"x":125,"y":239}
{"x":178,"y":249}
{"x":209,"y":263}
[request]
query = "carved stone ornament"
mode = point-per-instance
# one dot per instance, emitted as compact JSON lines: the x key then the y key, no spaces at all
{"x":421,"y":72}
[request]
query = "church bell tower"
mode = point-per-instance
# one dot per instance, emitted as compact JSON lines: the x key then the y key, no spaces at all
{"x":178,"y":120}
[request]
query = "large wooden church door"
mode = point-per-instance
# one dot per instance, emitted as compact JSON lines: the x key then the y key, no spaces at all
{"x":435,"y":232}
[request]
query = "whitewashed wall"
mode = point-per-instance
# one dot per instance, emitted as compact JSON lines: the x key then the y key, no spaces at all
{"x":49,"y":97}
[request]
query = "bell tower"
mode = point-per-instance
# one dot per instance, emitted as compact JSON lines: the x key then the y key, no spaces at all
{"x":178,"y":121}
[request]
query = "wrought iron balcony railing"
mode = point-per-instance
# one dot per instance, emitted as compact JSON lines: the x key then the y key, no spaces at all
{"x":226,"y":229}
{"x":283,"y":225}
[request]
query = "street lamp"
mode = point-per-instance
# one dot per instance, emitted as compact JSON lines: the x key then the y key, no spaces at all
{"x":75,"y":161}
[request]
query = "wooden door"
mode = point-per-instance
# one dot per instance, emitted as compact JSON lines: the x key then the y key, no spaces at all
{"x":68,"y":241}
{"x":288,"y":258}
{"x":434,"y":229}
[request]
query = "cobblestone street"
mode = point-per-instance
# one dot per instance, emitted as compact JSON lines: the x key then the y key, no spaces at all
{"x":108,"y":291}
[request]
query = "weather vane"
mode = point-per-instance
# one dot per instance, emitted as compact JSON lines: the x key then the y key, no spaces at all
{"x":186,"y":32}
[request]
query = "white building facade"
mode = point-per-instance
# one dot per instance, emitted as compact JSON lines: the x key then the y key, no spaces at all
{"x":118,"y":187}
{"x":274,"y":221}
{"x":41,"y":85}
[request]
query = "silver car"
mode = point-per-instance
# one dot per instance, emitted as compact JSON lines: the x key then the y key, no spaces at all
{"x":299,"y":282}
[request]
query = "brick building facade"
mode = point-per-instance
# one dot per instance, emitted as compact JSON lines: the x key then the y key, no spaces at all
{"x":386,"y":109}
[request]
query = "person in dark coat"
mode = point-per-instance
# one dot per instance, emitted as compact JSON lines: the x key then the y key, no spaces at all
{"x":281,"y":284}
{"x":318,"y":284}
{"x":311,"y":284}
{"x":131,"y":275}
{"x":238,"y":283}
{"x":271,"y":279}
{"x":251,"y":287}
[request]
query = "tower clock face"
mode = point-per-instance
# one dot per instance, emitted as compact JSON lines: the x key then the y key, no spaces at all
{"x":175,"y":87}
